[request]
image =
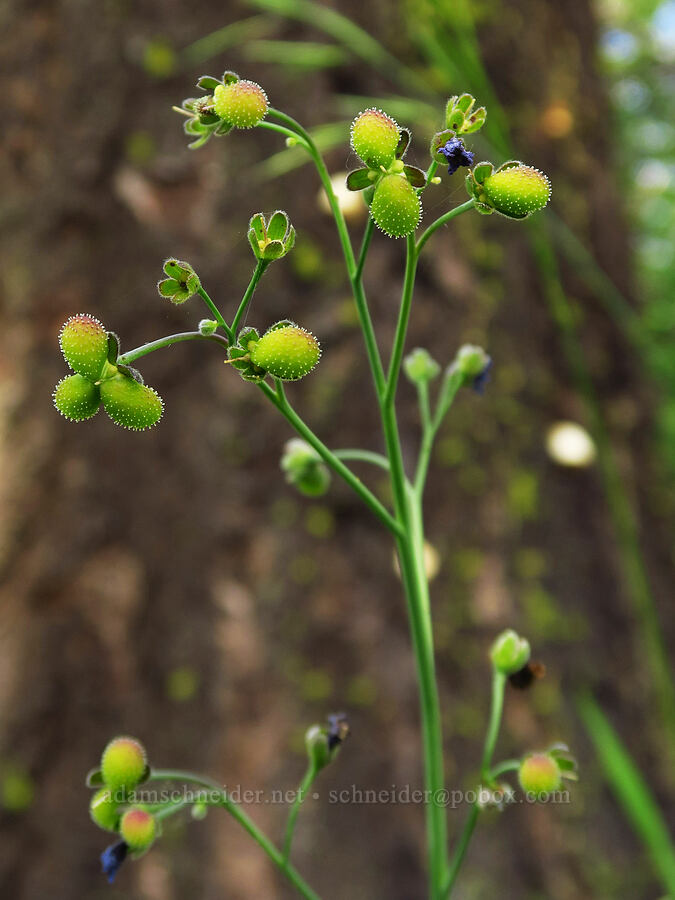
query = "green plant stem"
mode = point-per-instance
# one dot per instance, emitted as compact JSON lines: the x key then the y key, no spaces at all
{"x":486,"y":774}
{"x":272,"y":126}
{"x":132,"y":355}
{"x":218,"y":797}
{"x":506,"y":765}
{"x":261,"y":265}
{"x":363,"y":456}
{"x":402,"y":325}
{"x":305,"y":785}
{"x":278,"y":398}
{"x":217,"y":315}
{"x":365,"y":245}
{"x":442,"y":220}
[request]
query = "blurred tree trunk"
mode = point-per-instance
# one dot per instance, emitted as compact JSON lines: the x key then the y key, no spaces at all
{"x":169,"y":585}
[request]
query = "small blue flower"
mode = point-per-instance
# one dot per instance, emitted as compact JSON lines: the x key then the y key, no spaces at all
{"x":112,"y":858}
{"x":456,"y":154}
{"x":481,"y":380}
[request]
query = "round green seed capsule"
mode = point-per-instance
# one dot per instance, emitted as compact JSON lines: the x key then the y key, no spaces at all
{"x":76,"y":398}
{"x":123,"y":764}
{"x":130,"y":404}
{"x":84,"y":344}
{"x":103,"y":810}
{"x":241,"y":103}
{"x":396,"y":208}
{"x":287,"y":352}
{"x":517,"y":191}
{"x":138,"y":828}
{"x":374,"y":137}
{"x":539,"y":775}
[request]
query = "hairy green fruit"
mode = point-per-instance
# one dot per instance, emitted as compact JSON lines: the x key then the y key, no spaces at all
{"x":123,"y":764}
{"x":539,"y":775}
{"x":103,"y":810}
{"x":286,"y":351}
{"x":396,"y":208}
{"x":374,"y":138}
{"x":517,"y":191}
{"x":138,"y":828}
{"x":84,"y":344}
{"x":130,"y":404}
{"x":76,"y":398}
{"x":241,"y":103}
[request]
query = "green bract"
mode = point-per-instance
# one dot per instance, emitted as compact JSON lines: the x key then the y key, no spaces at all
{"x":396,"y":206}
{"x":76,"y":398}
{"x":84,"y":344}
{"x":286,"y":351}
{"x":131,"y":404}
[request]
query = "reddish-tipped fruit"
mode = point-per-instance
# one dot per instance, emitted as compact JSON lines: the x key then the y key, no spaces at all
{"x":240,"y":103}
{"x":76,"y":398}
{"x":130,"y":404}
{"x":286,"y":351}
{"x":396,"y":208}
{"x":138,"y":828}
{"x":539,"y":775}
{"x":84,"y":344}
{"x":123,"y":764}
{"x":374,"y":137}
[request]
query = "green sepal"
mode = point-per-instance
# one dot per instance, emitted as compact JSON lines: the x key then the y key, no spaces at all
{"x":403,"y":142}
{"x":208,"y":83}
{"x":481,"y":171}
{"x":439,"y":140}
{"x":415,"y":176}
{"x":464,"y":102}
{"x":257,"y":223}
{"x":230,"y":77}
{"x":131,"y":372}
{"x":209,"y":119}
{"x":223,"y":128}
{"x":273,"y":250}
{"x":168,"y":287}
{"x":194,"y":126}
{"x":190,"y":103}
{"x":455,"y":120}
{"x":282,"y":323}
{"x":113,"y":348}
{"x":94,"y":778}
{"x":359,"y":179}
{"x":277,"y":226}
{"x":246,"y":335}
{"x":289,"y":243}
{"x":475,"y":121}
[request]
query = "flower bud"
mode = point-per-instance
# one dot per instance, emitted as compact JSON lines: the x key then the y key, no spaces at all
{"x":207,"y":327}
{"x":84,"y":344}
{"x":539,"y":775}
{"x":112,"y":858}
{"x":517,"y":190}
{"x":420,"y":367}
{"x":396,"y":206}
{"x":123,"y":764}
{"x":103,"y":810}
{"x":374,"y":138}
{"x":182,"y":283}
{"x":510,"y":652}
{"x":286,"y":351}
{"x":273,"y":238}
{"x":474,"y":364}
{"x":131,"y":404}
{"x":324,"y":741}
{"x":304,"y":468}
{"x":76,"y":398}
{"x":240,"y":103}
{"x":138,"y":829}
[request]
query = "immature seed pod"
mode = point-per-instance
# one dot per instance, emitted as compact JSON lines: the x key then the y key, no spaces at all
{"x":286,"y":351}
{"x":103,"y":810}
{"x":123,"y":764}
{"x":374,"y":138}
{"x":76,"y":398}
{"x":84,"y":344}
{"x":517,"y":191}
{"x":539,"y":775}
{"x":130,"y":404}
{"x":240,"y":103}
{"x":396,"y":208}
{"x":138,"y":828}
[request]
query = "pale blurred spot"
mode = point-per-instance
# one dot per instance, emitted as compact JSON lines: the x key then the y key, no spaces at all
{"x":350,"y":202}
{"x":432,"y":562}
{"x":182,"y":684}
{"x":654,"y":175}
{"x":154,"y":880}
{"x":569,"y":444}
{"x":557,"y":120}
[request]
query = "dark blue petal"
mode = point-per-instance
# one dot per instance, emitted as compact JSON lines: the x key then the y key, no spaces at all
{"x":456,"y":154}
{"x":112,"y":858}
{"x":481,"y":380}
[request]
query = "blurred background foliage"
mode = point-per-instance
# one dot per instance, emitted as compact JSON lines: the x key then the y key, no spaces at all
{"x":171,"y":585}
